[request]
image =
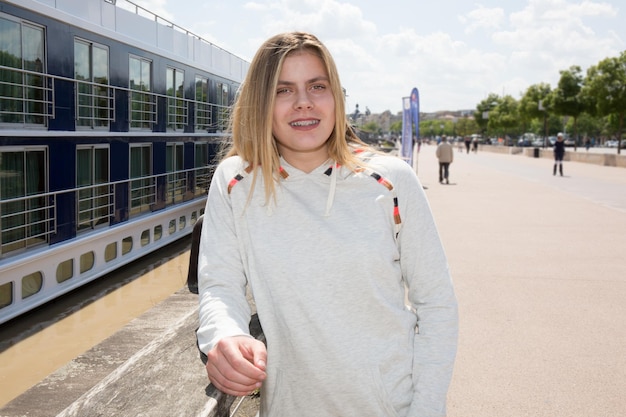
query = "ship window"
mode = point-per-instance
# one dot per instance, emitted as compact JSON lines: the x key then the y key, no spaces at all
{"x":94,"y":97}
{"x":176,"y":105}
{"x":31,"y":284}
{"x":182,"y":222}
{"x":95,"y":195}
{"x":87,"y":261}
{"x":172,"y":228}
{"x":25,"y":209}
{"x":25,"y":92}
{"x":223,"y":108}
{"x":6,"y":294}
{"x":158,"y":232}
{"x":142,"y":184}
{"x":127,"y":245}
{"x":176,"y":175}
{"x":194,"y":217}
{"x":145,"y":237}
{"x":143,"y":109}
{"x":202,"y":169}
{"x":110,"y":252}
{"x":65,"y":270}
{"x":203,"y":108}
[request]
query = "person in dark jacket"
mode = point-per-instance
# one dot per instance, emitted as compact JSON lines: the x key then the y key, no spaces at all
{"x":559,"y":152}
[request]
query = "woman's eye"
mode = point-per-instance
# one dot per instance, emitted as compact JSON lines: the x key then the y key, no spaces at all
{"x":318,"y":87}
{"x":282,"y":91}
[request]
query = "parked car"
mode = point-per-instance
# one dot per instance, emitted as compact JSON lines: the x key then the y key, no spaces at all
{"x":539,"y":142}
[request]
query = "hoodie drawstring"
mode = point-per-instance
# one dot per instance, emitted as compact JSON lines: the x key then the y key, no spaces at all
{"x":331,"y":190}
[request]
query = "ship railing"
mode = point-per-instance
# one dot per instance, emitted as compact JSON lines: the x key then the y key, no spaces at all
{"x":95,"y":205}
{"x":27,"y":221}
{"x":95,"y":104}
{"x":30,"y":221}
{"x":141,"y":11}
{"x":176,"y":186}
{"x":143,"y":192}
{"x":26,"y":97}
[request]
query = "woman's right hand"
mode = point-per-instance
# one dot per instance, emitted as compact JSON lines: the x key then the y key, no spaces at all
{"x":236,"y":365}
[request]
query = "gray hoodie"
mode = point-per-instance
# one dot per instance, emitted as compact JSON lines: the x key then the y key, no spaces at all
{"x":331,"y":263}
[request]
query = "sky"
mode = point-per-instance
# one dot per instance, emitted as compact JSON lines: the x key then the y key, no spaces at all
{"x":455,"y":52}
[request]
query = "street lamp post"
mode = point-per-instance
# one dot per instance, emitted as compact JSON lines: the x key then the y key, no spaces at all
{"x":545,"y":123}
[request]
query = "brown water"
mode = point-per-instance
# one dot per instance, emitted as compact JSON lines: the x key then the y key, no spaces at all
{"x":34,"y":346}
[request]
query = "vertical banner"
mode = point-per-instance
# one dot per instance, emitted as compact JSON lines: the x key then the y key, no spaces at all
{"x":410,"y":118}
{"x":415,"y":111}
{"x":415,"y":116}
{"x":406,"y":150}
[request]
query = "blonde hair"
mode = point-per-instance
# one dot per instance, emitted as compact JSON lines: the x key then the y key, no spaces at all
{"x":251,"y":118}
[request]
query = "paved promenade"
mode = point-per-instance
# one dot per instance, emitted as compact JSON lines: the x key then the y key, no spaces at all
{"x":539,"y":265}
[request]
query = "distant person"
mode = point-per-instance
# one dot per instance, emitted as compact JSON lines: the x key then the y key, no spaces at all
{"x":475,"y":145}
{"x":559,"y":153}
{"x":468,"y":143}
{"x":445,"y":154}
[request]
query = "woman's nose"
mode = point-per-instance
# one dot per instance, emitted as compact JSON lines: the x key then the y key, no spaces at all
{"x":303,"y":100}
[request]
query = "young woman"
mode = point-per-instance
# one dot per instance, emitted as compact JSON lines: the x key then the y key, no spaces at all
{"x":332,"y":239}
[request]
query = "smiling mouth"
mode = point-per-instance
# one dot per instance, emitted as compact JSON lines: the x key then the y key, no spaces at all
{"x":302,"y":123}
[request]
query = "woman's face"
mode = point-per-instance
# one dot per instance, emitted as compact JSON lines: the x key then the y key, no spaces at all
{"x":304,"y":111}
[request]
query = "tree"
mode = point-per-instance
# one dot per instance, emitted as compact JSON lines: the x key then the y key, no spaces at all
{"x":587,"y":125}
{"x":534,"y":105}
{"x":396,"y":127}
{"x":481,"y":115}
{"x":465,"y":126}
{"x":606,"y":85}
{"x":372,"y":127}
{"x":566,"y":99}
{"x":505,"y":116}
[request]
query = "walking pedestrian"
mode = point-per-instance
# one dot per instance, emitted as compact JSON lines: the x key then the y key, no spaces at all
{"x":331,"y":237}
{"x":445,"y":154}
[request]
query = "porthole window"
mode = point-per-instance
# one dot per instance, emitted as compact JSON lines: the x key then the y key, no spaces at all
{"x":158,"y":232}
{"x":182,"y":222}
{"x":145,"y":237}
{"x":194,"y":218}
{"x":87,"y":261}
{"x":6,"y":294}
{"x":110,"y":252}
{"x":127,"y":245}
{"x":65,"y":270}
{"x":31,"y":284}
{"x":172,"y":228}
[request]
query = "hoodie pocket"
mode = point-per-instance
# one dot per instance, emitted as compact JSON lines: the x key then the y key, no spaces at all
{"x":381,"y":394}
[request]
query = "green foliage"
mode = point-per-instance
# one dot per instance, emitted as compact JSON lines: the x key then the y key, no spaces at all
{"x":396,"y":127}
{"x":504,"y":118}
{"x":483,"y":110}
{"x":371,"y":127}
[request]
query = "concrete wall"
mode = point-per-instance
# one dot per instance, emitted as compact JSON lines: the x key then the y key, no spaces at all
{"x":611,"y":158}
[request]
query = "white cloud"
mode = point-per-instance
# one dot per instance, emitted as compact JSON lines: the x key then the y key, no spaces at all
{"x":455,"y":52}
{"x":483,"y":18}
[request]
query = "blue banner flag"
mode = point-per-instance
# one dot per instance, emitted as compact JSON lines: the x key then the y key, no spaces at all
{"x":406,"y":150}
{"x":410,"y":118}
